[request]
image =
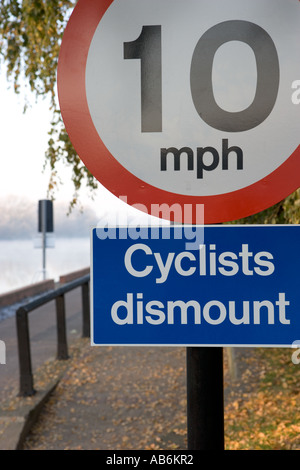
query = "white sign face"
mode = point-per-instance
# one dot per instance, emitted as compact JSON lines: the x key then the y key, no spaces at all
{"x":194,"y":97}
{"x":49,"y":241}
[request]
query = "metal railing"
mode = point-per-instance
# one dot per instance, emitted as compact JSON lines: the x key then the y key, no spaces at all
{"x":25,"y":364}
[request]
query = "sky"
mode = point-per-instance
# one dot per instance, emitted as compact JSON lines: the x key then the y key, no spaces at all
{"x":23,"y":142}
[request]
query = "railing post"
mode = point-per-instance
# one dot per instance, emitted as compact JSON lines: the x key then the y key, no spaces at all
{"x":25,"y":366}
{"x":62,"y":347}
{"x":85,"y":310}
{"x":26,"y":377}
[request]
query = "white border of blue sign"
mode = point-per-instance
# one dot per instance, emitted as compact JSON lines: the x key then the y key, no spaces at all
{"x":275,"y":249}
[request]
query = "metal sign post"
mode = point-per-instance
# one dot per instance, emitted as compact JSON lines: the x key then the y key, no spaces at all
{"x":45,"y":226}
{"x":205,"y":397}
{"x":44,"y":221}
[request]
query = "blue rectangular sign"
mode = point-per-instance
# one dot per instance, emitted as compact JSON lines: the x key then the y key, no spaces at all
{"x":223,"y":285}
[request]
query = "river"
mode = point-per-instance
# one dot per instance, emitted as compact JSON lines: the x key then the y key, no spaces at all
{"x":21,"y":263}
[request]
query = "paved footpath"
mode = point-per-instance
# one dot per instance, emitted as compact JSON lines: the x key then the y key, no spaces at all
{"x":106,"y":398}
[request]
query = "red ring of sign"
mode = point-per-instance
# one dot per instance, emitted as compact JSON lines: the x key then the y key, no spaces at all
{"x":106,"y":169}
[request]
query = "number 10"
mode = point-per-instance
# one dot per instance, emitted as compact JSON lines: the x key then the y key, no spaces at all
{"x":148,"y":48}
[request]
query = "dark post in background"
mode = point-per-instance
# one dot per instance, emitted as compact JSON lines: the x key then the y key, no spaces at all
{"x":45,"y":225}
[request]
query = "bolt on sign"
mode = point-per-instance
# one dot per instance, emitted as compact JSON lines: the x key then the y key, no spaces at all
{"x":185,"y":102}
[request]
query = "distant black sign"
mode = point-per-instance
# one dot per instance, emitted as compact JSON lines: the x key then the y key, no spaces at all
{"x":45,"y":211}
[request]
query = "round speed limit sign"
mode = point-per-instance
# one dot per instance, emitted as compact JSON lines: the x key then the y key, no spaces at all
{"x":186,"y":102}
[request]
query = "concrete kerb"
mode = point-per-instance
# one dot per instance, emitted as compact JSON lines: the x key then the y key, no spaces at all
{"x":16,"y":423}
{"x":19,"y":414}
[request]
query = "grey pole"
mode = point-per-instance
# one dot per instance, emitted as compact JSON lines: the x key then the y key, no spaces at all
{"x":44,"y":222}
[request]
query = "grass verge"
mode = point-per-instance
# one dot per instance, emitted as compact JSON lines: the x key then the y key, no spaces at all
{"x":267,"y":418}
